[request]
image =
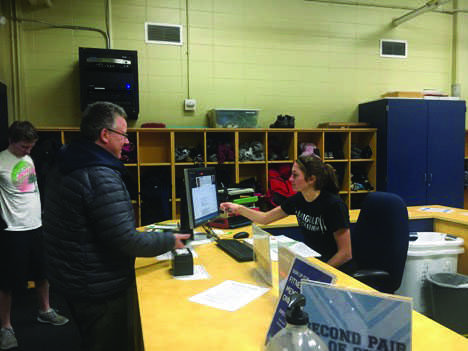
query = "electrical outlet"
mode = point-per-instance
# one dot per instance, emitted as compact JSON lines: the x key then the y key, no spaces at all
{"x":190,"y":104}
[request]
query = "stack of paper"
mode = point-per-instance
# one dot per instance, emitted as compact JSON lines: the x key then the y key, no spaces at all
{"x":295,"y":246}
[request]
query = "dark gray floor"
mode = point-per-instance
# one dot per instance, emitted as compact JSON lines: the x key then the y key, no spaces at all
{"x":35,"y":336}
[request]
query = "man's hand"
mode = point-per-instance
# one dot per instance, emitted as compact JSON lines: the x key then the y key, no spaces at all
{"x":178,"y":240}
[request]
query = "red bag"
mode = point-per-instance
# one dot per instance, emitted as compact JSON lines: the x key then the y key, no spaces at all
{"x":279,"y":186}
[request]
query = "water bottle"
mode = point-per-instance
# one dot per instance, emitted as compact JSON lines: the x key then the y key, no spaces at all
{"x":296,"y":336}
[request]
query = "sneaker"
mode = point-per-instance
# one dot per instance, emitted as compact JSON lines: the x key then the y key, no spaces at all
{"x":7,"y":339}
{"x":52,"y":317}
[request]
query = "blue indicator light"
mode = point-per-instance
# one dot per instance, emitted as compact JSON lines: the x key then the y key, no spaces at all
{"x":127,"y":86}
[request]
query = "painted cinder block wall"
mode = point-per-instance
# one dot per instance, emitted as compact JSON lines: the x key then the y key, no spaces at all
{"x":315,"y":61}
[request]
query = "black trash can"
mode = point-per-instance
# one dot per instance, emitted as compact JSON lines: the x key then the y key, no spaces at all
{"x":449,"y":294}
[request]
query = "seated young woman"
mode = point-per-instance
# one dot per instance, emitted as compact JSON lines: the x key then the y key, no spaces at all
{"x":321,"y":214}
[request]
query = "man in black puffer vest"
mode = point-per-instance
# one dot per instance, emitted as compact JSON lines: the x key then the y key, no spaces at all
{"x":90,"y":237}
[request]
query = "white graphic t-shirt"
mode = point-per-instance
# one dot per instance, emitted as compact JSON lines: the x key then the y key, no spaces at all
{"x":19,"y":194}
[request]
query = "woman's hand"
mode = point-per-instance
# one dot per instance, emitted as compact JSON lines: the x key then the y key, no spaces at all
{"x":229,"y":207}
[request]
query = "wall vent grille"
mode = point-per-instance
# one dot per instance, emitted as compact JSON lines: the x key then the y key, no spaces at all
{"x":393,"y":48}
{"x":163,"y":33}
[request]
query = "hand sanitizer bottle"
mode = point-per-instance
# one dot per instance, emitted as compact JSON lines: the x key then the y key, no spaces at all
{"x":296,"y":336}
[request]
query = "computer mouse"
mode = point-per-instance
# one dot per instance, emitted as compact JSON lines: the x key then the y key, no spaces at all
{"x":241,"y":235}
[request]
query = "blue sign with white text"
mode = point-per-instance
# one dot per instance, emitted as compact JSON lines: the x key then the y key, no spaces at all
{"x":349,"y":320}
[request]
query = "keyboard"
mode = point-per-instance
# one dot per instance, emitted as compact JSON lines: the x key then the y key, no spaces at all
{"x":239,"y":251}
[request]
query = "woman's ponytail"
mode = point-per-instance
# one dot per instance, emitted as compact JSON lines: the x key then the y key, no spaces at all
{"x":330,"y":181}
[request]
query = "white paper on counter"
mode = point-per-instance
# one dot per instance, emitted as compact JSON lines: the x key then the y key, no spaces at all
{"x":201,"y":242}
{"x":199,"y":273}
{"x":168,"y":255}
{"x":303,"y":250}
{"x":218,"y":231}
{"x":435,"y":209}
{"x":299,"y":248}
{"x":229,"y":295}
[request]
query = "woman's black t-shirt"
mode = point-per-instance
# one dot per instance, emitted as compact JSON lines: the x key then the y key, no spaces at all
{"x":318,"y":220}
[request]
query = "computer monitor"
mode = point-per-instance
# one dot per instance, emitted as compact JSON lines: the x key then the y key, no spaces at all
{"x":199,"y":203}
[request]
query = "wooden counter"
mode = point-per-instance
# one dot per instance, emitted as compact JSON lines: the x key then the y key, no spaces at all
{"x":455,"y":222}
{"x":171,"y":322}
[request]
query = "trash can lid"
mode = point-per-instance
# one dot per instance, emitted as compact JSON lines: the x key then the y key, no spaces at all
{"x":435,"y":240}
{"x":449,"y":280}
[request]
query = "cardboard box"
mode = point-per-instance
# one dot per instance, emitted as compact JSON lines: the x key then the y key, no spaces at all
{"x":404,"y":94}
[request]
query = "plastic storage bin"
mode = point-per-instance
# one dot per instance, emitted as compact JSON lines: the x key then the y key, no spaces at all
{"x":449,"y":296}
{"x":428,"y":252}
{"x":233,"y":118}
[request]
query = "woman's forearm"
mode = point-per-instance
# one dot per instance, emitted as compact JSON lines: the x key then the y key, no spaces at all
{"x":339,"y":258}
{"x":343,"y":243}
{"x":255,"y":216}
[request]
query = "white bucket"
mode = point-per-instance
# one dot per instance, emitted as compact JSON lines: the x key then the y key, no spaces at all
{"x":430,"y":253}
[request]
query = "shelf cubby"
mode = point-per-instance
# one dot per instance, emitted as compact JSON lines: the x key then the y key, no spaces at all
{"x":336,"y":145}
{"x":155,"y":153}
{"x":310,"y":136}
{"x":255,"y":171}
{"x":280,"y":145}
{"x":216,"y":139}
{"x":365,"y":141}
{"x":154,"y":147}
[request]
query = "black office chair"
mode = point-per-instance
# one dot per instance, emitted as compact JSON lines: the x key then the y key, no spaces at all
{"x":380,"y":241}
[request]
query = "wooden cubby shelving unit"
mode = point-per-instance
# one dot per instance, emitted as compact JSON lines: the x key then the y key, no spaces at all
{"x":156,"y":150}
{"x":466,"y":167}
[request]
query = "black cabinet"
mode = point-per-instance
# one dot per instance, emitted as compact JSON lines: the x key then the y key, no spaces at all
{"x":420,"y":149}
{"x":3,"y":117}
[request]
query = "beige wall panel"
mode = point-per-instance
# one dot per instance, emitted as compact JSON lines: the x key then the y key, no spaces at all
{"x":203,"y":5}
{"x":135,"y":2}
{"x":164,"y":15}
{"x":90,"y":9}
{"x":53,"y":41}
{"x":201,"y":18}
{"x":61,"y":11}
{"x":201,"y":53}
{"x":6,"y":59}
{"x":168,"y":68}
{"x":127,"y":44}
{"x":313,"y":60}
{"x":201,"y":36}
{"x":128,"y":13}
{"x":129,"y":30}
{"x":170,"y":52}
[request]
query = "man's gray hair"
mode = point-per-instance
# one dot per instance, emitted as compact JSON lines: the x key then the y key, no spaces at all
{"x":97,"y":116}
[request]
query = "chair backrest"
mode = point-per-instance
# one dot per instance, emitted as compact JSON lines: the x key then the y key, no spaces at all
{"x":381,"y":235}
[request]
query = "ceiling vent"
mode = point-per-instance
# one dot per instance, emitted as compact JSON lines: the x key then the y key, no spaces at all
{"x":162,"y":33}
{"x":393,"y":48}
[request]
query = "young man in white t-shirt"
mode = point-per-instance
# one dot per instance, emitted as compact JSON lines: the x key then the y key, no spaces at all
{"x":21,"y":250}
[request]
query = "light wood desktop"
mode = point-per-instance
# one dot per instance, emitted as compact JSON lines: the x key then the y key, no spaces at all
{"x":171,"y":322}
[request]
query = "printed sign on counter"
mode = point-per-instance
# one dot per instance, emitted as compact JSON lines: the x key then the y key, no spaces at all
{"x":355,"y":320}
